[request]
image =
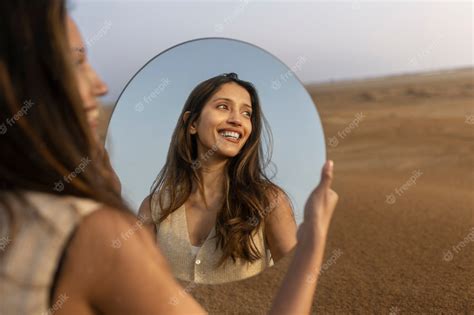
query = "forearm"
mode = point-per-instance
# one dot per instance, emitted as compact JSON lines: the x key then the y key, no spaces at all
{"x":297,"y":289}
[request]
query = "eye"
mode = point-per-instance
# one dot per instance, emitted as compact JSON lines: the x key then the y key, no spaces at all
{"x":222,"y":106}
{"x":248,"y":113}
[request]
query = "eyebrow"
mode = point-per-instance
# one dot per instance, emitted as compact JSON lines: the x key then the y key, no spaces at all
{"x":229,"y":100}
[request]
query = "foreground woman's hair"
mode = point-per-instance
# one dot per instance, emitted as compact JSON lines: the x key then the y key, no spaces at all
{"x":44,"y":134}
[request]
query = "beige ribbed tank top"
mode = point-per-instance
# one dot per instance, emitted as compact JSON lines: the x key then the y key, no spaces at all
{"x":30,"y":262}
{"x":173,"y":239}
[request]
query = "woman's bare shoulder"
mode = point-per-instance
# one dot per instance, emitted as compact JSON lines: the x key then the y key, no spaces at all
{"x":280,"y":203}
{"x":112,"y":261}
{"x":144,"y":211}
{"x":146,"y":215}
{"x":107,"y":231}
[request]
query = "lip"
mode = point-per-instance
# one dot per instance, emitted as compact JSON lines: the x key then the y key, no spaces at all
{"x":94,"y":124}
{"x":230,"y":139}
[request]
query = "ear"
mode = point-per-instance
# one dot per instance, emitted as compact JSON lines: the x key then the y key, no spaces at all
{"x":192,"y":127}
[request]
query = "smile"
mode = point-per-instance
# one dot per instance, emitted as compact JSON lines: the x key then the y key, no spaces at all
{"x":231,"y":136}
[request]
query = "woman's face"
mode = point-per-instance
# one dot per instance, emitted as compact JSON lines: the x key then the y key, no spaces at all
{"x":89,"y":83}
{"x":224,"y":124}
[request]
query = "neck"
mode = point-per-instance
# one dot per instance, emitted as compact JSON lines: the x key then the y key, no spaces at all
{"x":212,"y":174}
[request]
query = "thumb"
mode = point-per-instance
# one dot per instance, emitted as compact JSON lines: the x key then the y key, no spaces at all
{"x":327,"y":175}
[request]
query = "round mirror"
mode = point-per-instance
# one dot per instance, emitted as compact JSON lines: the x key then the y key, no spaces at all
{"x":232,"y":91}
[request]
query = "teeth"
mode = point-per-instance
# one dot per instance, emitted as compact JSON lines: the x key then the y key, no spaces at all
{"x":230,"y":134}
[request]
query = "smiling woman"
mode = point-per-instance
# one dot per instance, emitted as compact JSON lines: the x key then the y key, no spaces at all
{"x":146,"y":112}
{"x":216,"y":214}
{"x":230,"y":194}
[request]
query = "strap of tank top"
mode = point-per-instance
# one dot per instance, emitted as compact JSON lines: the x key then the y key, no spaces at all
{"x":59,"y":267}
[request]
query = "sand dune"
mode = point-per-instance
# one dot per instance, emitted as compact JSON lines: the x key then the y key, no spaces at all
{"x":404,"y":225}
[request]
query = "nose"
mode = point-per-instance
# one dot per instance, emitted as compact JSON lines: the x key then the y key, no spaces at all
{"x":99,"y":86}
{"x":234,"y":118}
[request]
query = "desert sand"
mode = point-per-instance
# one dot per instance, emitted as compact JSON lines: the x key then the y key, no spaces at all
{"x":402,"y":236}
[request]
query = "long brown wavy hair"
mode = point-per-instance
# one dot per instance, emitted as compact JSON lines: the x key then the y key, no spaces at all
{"x":44,"y":134}
{"x":248,"y":190}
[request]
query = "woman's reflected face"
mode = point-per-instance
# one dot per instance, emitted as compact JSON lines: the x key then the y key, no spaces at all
{"x":224,"y":124}
{"x":89,"y":83}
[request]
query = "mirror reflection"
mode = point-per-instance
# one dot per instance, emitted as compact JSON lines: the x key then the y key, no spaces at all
{"x":216,"y":144}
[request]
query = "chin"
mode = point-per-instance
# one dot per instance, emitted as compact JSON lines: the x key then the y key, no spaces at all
{"x":228,"y":154}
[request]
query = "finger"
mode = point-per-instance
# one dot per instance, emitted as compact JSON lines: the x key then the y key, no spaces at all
{"x":327,"y":175}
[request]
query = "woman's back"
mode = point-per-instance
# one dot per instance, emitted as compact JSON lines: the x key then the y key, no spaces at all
{"x":107,"y":250}
{"x":33,"y":254}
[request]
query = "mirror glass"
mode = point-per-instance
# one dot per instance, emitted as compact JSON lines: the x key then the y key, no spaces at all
{"x":144,"y":118}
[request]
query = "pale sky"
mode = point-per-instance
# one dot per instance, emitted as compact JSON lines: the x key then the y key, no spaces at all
{"x":339,"y":39}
